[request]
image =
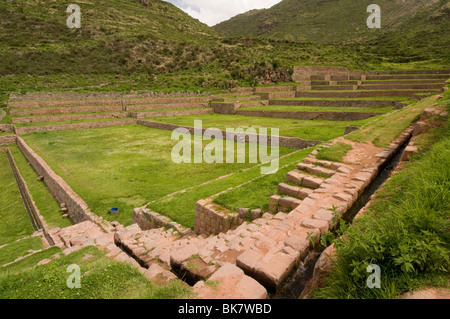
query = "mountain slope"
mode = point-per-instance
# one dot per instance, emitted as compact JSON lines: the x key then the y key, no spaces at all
{"x":329,"y":20}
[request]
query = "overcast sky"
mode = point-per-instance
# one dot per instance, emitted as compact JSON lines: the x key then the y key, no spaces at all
{"x":212,"y":12}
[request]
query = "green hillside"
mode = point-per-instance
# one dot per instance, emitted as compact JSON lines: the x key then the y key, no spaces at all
{"x":125,"y":45}
{"x":325,"y":20}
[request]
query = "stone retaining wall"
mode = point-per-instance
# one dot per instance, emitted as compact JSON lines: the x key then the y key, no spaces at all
{"x":76,"y":126}
{"x":6,"y":128}
{"x":71,"y":117}
{"x":147,"y":219}
{"x":66,"y":110}
{"x":290,"y":142}
{"x":326,"y":116}
{"x":44,"y":104}
{"x":357,"y":94}
{"x":77,"y":208}
{"x":8,"y":139}
{"x":36,"y":218}
{"x":333,"y":103}
{"x":159,"y":106}
{"x":43,"y":96}
{"x":211,"y":219}
{"x":140,"y":115}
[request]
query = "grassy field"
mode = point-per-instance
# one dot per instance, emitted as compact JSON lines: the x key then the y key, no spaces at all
{"x":254,"y":195}
{"x":309,"y":130}
{"x":48,"y":207}
{"x":101,"y":278}
{"x":14,"y":219}
{"x":405,"y":230}
{"x":383,"y":131}
{"x":334,"y":153}
{"x":23,"y":247}
{"x":124,"y":167}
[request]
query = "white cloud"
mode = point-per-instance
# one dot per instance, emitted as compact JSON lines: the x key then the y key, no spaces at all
{"x":212,"y":12}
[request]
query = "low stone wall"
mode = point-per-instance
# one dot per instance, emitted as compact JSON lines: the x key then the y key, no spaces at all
{"x":168,"y":106}
{"x":35,"y":216}
{"x":333,"y":103}
{"x":174,"y":100}
{"x":77,"y":208}
{"x":290,"y":142}
{"x":6,"y":128}
{"x":66,"y":110}
{"x":8,"y":139}
{"x":305,"y":73}
{"x":43,"y":96}
{"x":401,"y":87}
{"x":211,"y":219}
{"x":73,"y":103}
{"x":225,"y":108}
{"x":357,"y":94}
{"x":147,"y":220}
{"x":326,"y":116}
{"x":69,"y":127}
{"x":140,"y":115}
{"x":268,"y":89}
{"x":71,"y":117}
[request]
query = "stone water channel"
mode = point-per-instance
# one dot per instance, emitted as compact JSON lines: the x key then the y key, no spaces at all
{"x":293,"y":286}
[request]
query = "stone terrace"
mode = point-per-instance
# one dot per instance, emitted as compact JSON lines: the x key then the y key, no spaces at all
{"x":271,"y":247}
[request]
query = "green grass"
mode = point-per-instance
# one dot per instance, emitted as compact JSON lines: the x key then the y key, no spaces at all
{"x":30,"y":261}
{"x":124,"y":167}
{"x":101,"y":278}
{"x":334,"y":153}
{"x":14,"y":219}
{"x":18,"y":249}
{"x":385,"y":129}
{"x":405,"y":232}
{"x":48,"y":207}
{"x":255,"y":195}
{"x":300,"y":108}
{"x":309,"y":130}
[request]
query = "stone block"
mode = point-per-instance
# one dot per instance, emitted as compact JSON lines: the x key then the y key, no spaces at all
{"x":322,"y":225}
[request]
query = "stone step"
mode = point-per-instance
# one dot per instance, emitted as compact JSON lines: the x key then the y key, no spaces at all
{"x":315,"y":169}
{"x":294,"y":191}
{"x":299,"y":178}
{"x":286,"y":204}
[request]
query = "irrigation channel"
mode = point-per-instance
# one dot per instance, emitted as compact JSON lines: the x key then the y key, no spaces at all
{"x":294,"y":285}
